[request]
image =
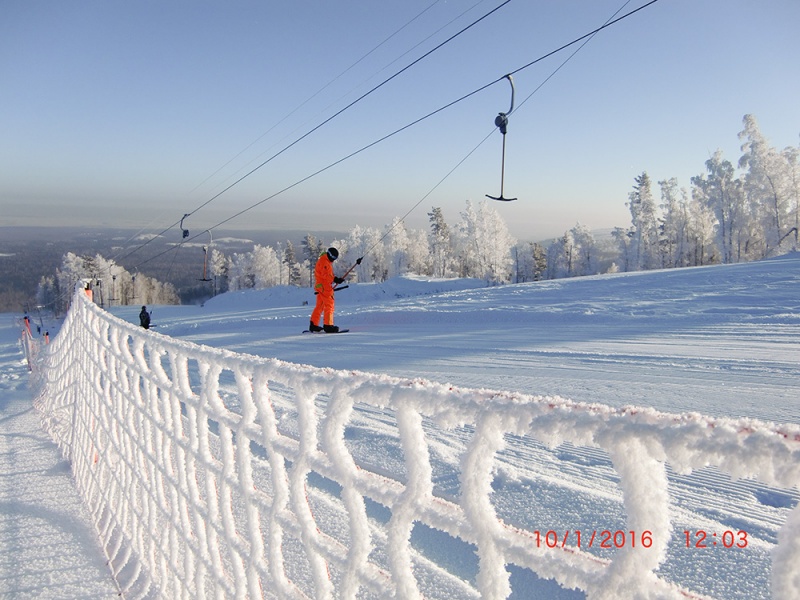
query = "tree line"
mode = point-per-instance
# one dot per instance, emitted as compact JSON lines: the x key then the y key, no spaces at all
{"x":725,"y":216}
{"x":110,"y":283}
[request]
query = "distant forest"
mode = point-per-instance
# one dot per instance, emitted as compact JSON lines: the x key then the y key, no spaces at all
{"x":29,"y":254}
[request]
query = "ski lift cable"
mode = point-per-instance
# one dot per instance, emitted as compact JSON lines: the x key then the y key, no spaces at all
{"x":331,"y":165}
{"x":501,"y":121}
{"x":317,"y":93}
{"x":350,"y":105}
{"x":419,"y":120}
{"x":324,"y":122}
{"x":368,"y":79}
{"x":586,"y":37}
{"x":589,"y":35}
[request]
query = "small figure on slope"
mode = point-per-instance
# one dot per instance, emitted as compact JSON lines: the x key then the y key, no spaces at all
{"x":325,"y":281}
{"x":144,"y":318}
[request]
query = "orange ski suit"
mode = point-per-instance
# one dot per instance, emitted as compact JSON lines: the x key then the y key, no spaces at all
{"x":323,"y":277}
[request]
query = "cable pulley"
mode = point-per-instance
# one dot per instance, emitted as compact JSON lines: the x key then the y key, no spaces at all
{"x":501,"y":122}
{"x":185,"y":231}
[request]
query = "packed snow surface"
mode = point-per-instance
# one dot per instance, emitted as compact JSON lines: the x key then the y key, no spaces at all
{"x":721,"y":341}
{"x":48,"y":546}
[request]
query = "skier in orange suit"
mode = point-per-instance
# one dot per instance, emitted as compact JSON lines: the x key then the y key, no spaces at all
{"x":325,"y":281}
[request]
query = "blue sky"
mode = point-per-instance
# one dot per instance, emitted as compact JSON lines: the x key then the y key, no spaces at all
{"x":131,"y":114}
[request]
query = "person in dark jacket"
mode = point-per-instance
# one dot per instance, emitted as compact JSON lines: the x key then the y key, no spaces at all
{"x":144,"y":318}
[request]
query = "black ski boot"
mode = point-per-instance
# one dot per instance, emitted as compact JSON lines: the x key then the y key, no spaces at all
{"x":331,"y":329}
{"x":313,"y":327}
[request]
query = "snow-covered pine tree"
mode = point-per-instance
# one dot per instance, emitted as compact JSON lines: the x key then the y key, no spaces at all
{"x":397,"y":243}
{"x":701,"y":235}
{"x":721,"y":192}
{"x":440,"y":244}
{"x":312,"y":248}
{"x":484,"y":244}
{"x":644,"y":225}
{"x":218,"y":269}
{"x":366,"y":242}
{"x":291,"y":265}
{"x":768,"y":183}
{"x":266,"y":267}
{"x":419,"y":254}
{"x":674,"y":224}
{"x":585,"y":261}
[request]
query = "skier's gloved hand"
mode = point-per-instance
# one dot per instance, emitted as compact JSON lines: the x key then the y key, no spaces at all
{"x":338,"y":280}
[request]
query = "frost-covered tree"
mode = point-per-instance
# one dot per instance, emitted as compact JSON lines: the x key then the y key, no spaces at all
{"x":644,"y":226}
{"x":585,"y":261}
{"x":291,"y":265}
{"x":484,"y":244}
{"x":539,"y":261}
{"x":530,"y":262}
{"x":418,"y":252}
{"x":258,"y":269}
{"x":47,"y":293}
{"x":768,"y":183}
{"x":702,"y":232}
{"x":365,"y":242}
{"x":622,"y":237}
{"x":560,"y":256}
{"x":792,"y":156}
{"x":266,"y":267}
{"x":240,"y":272}
{"x":218,"y":266}
{"x":573,"y":254}
{"x":397,"y":245}
{"x":110,"y":282}
{"x":674,"y":224}
{"x":312,"y":248}
{"x":721,"y":192}
{"x":440,"y":244}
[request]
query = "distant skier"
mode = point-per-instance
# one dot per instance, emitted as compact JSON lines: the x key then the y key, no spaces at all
{"x":325,"y":282}
{"x":144,"y":318}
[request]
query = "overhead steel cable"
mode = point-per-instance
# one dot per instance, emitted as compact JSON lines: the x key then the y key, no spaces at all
{"x":350,"y":105}
{"x":423,"y":118}
{"x":453,"y":20}
{"x":586,"y":39}
{"x":325,"y":122}
{"x":583,"y":37}
{"x":318,"y":92}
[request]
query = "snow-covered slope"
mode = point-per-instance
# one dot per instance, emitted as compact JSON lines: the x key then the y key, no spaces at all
{"x":721,"y":341}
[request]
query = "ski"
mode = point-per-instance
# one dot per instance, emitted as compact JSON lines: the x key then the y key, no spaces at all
{"x":326,"y":332}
